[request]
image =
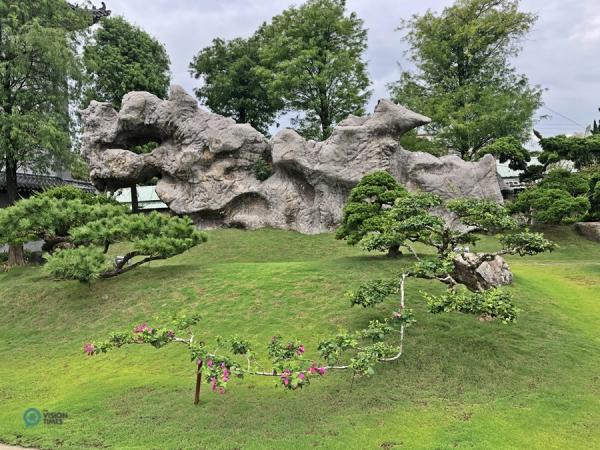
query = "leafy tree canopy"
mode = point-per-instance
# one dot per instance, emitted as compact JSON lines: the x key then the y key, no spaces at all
{"x":464,"y":80}
{"x":313,"y":57}
{"x":233,"y":84}
{"x":582,"y":151}
{"x":508,"y":148}
{"x":39,"y":74}
{"x":412,"y":142}
{"x":121,"y":58}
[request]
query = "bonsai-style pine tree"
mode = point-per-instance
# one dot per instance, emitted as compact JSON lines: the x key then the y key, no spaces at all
{"x":365,"y":209}
{"x":79,"y":228}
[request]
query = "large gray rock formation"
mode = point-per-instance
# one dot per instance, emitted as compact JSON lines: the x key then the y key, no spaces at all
{"x":206,"y":162}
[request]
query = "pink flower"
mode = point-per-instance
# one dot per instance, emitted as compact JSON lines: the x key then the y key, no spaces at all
{"x":170,"y":334}
{"x":89,"y":348}
{"x":226,"y":374}
{"x":143,"y":327}
{"x":300,"y":350}
{"x":301,"y":376}
{"x":222,"y":365}
{"x":199,"y":362}
{"x":313,"y":368}
{"x":213,"y":383}
{"x":221,"y":390}
{"x":286,"y":381}
{"x":209,"y":362}
{"x":322,"y":370}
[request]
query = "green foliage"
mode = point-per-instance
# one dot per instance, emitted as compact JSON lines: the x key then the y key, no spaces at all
{"x":594,"y":195}
{"x":53,"y":213}
{"x":332,"y":349}
{"x":313,"y":57}
{"x":492,"y":304}
{"x":302,"y":279}
{"x":262,"y":170}
{"x":507,"y":148}
{"x":526,"y":243}
{"x":572,"y":182}
{"x":366,"y":203}
{"x":121,"y":58}
{"x":412,"y":142}
{"x":408,"y":220}
{"x":362,"y":364}
{"x":88,"y":224}
{"x":556,"y":199}
{"x":433,"y":267}
{"x":72,"y":193}
{"x":464,"y":80}
{"x":39,"y":75}
{"x":153,"y":236}
{"x":234,"y":84}
{"x":82,"y":263}
{"x":486,"y":215}
{"x":582,"y":151}
{"x":373,"y":292}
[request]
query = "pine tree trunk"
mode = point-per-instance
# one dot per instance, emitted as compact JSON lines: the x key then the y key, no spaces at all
{"x":135,"y":206}
{"x":16,"y":255}
{"x":394,"y":251}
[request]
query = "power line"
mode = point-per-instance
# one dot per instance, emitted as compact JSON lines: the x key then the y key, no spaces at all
{"x":563,"y":116}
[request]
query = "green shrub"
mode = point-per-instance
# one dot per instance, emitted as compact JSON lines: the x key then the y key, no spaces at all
{"x":262,"y":170}
{"x":82,"y":263}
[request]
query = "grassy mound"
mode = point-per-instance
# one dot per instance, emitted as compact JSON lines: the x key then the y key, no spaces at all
{"x":461,"y":383}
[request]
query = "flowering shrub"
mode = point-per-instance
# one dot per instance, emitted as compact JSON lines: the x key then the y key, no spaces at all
{"x":289,"y":365}
{"x":359,"y":351}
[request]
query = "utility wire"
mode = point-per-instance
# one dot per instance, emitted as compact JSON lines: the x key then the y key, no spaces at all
{"x":563,"y":116}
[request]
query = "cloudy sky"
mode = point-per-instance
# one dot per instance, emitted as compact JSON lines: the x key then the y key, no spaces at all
{"x":562,"y":54}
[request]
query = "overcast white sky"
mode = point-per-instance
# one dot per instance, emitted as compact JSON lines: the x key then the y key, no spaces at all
{"x":562,"y":54}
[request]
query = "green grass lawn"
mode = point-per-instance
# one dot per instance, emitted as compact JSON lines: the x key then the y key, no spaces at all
{"x":461,"y":383}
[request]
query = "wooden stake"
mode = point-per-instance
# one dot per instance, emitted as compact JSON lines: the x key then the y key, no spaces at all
{"x":198,"y":383}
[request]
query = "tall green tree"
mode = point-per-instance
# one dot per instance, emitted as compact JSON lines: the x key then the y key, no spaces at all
{"x":313,"y":57}
{"x":39,"y":70}
{"x":464,"y":79}
{"x":234,"y":84}
{"x":121,"y":58}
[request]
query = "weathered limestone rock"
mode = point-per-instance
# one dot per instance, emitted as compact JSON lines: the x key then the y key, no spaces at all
{"x":590,"y":230}
{"x":206,"y":162}
{"x":487,"y":274}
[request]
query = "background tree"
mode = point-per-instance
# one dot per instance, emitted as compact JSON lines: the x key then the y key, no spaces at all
{"x":39,"y":71}
{"x":595,"y":128}
{"x":413,"y":142}
{"x":561,"y":197}
{"x":313,"y":56}
{"x":581,"y":151}
{"x":121,"y":58}
{"x":233,"y":84}
{"x":463,"y":78}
